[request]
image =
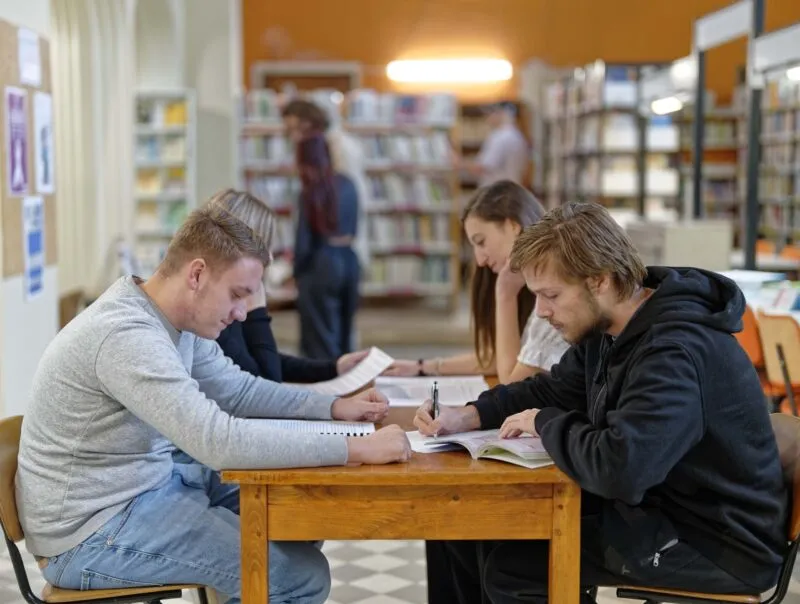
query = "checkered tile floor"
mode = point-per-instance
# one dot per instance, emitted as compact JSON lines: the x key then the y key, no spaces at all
{"x":364,"y":572}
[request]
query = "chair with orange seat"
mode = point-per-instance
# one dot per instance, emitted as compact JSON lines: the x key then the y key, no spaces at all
{"x":780,"y":341}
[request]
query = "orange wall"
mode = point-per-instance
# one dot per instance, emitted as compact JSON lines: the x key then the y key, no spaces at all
{"x":561,"y":32}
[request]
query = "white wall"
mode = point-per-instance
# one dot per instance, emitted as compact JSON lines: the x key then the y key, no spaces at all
{"x":33,"y":14}
{"x":213,"y":65}
{"x":25,"y":327}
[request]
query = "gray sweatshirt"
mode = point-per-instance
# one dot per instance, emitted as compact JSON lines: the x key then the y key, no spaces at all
{"x":116,"y":391}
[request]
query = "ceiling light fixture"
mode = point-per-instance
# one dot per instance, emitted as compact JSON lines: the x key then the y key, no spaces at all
{"x":450,"y":70}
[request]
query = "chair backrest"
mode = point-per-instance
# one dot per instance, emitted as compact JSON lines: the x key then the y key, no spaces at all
{"x":787,"y":433}
{"x":750,"y":338}
{"x":10,"y":430}
{"x":783,"y":330}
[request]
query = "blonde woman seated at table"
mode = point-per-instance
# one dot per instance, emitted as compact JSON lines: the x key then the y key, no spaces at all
{"x":511,"y":342}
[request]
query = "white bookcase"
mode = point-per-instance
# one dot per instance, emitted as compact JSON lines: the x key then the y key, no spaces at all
{"x":164,"y":171}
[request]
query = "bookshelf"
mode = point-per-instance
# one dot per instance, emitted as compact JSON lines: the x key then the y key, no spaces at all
{"x":600,"y":148}
{"x":779,"y":182}
{"x":164,"y":165}
{"x":411,"y":215}
{"x":724,"y":128}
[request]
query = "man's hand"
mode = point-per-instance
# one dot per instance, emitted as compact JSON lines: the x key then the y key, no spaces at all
{"x":387,"y":445}
{"x":367,"y":406}
{"x":519,"y":423}
{"x":508,"y":283}
{"x":347,"y":361}
{"x":449,"y":421}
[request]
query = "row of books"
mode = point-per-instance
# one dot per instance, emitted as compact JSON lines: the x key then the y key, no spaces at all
{"x":594,"y":87}
{"x":159,"y":219}
{"x":155,"y":181}
{"x":372,"y":107}
{"x":405,"y":271}
{"x":157,"y":112}
{"x":363,"y":106}
{"x":410,"y":190}
{"x":430,"y":232}
{"x":153,"y":149}
{"x":431,"y":149}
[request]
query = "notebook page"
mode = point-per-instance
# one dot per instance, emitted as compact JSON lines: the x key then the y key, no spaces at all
{"x":375,"y":363}
{"x":323,"y":427}
{"x":413,"y":391}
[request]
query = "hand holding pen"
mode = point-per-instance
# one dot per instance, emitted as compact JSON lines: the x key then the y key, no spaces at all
{"x":435,"y":402}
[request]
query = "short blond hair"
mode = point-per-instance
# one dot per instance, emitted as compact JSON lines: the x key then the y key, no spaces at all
{"x":219,"y":237}
{"x":580,"y":241}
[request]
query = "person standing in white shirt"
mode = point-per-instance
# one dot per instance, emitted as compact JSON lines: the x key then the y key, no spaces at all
{"x":504,"y":155}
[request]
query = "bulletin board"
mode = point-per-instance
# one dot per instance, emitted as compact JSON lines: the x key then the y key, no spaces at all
{"x":11,"y":206}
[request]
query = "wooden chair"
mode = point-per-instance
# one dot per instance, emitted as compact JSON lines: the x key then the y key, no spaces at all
{"x":780,"y":340}
{"x":787,"y":433}
{"x":12,"y":531}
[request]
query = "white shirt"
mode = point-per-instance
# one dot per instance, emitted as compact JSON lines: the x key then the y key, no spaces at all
{"x":541,"y":344}
{"x":348,"y":159}
{"x":504,"y":154}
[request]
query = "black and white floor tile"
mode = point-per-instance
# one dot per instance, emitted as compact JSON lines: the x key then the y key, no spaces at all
{"x":364,"y":572}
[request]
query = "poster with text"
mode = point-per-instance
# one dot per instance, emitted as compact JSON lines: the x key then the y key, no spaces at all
{"x":30,"y":60}
{"x":43,"y":143}
{"x":16,"y":141}
{"x":33,"y":242}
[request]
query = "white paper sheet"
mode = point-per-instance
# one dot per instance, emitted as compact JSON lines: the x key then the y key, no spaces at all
{"x":375,"y":363}
{"x":419,"y":444}
{"x":413,"y":391}
{"x":323,"y":427}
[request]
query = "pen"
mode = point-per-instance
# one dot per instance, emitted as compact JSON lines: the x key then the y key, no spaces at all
{"x":435,"y":401}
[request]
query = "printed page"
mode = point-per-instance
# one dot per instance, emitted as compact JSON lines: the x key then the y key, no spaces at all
{"x":426,"y":444}
{"x":413,"y":391}
{"x":473,"y":441}
{"x":375,"y":363}
{"x":323,"y":426}
{"x":527,"y":447}
{"x":481,"y":442}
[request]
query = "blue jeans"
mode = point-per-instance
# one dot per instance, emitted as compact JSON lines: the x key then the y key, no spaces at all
{"x":327,"y":300}
{"x":187,"y":531}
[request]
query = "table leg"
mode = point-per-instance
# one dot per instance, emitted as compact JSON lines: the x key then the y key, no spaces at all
{"x":255,"y":549}
{"x":565,"y":545}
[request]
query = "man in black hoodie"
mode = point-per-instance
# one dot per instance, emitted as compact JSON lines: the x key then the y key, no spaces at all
{"x":655,"y":411}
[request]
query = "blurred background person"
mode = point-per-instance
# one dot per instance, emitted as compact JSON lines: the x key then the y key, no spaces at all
{"x":326,"y":267}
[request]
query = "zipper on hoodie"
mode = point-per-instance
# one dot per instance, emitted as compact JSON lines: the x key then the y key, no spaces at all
{"x":657,"y":557}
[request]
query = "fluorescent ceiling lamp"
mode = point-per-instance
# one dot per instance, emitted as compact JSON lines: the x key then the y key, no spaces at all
{"x":793,"y":73}
{"x":450,"y":70}
{"x":669,"y":104}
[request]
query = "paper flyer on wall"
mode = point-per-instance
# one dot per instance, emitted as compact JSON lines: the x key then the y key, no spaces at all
{"x":33,"y":242}
{"x":16,"y":141}
{"x":43,"y":143}
{"x":30,"y":60}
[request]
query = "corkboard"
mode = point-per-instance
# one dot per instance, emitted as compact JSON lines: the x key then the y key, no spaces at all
{"x":11,"y":207}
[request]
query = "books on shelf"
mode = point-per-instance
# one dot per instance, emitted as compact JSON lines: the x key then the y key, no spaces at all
{"x":163,"y":172}
{"x":369,"y":107}
{"x":525,"y":451}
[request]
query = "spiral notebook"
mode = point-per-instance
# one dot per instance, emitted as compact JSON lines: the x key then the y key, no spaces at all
{"x":333,"y":427}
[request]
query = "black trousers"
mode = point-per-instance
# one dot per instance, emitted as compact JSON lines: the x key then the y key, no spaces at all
{"x":619,"y":546}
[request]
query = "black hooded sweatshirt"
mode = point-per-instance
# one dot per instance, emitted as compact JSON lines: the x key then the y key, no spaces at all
{"x":668,"y":421}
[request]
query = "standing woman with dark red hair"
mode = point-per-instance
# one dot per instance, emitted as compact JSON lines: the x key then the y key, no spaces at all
{"x":326,"y":267}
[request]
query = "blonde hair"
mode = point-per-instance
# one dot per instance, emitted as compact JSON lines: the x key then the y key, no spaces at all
{"x":581,"y":241}
{"x":219,"y":236}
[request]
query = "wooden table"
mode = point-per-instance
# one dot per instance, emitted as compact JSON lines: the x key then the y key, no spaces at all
{"x":434,"y":496}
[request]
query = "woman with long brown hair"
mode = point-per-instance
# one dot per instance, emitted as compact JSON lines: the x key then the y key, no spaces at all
{"x":326,"y":268}
{"x":510,"y":341}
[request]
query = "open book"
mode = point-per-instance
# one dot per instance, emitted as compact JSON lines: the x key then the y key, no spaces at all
{"x":526,"y":451}
{"x":370,"y":367}
{"x":306,"y":426}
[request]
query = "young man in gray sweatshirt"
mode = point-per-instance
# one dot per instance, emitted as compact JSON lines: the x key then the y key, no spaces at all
{"x":136,"y":375}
